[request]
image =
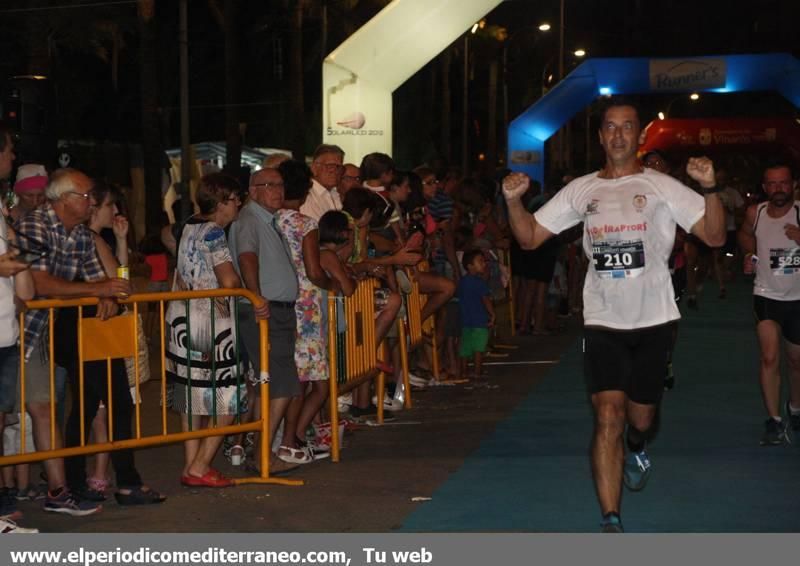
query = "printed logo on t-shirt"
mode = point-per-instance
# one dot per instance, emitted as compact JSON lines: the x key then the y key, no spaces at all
{"x":605,"y":231}
{"x":639,"y":202}
{"x":591,"y":207}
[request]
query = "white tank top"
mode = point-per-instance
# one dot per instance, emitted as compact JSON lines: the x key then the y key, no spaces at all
{"x":778,"y":267}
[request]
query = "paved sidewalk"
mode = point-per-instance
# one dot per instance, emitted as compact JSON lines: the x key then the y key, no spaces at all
{"x":370,"y":490}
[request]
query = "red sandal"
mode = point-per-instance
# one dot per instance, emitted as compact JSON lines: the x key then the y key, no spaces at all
{"x":212,"y":478}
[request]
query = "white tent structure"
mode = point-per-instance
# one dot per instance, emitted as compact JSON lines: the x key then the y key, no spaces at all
{"x":359,"y":76}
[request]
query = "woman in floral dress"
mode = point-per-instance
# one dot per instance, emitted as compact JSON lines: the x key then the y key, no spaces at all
{"x":207,"y":381}
{"x":311,"y":353}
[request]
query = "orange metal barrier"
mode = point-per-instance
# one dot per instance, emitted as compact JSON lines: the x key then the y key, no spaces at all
{"x":118,"y":338}
{"x":505,"y":259}
{"x":418,"y":329}
{"x":359,"y":348}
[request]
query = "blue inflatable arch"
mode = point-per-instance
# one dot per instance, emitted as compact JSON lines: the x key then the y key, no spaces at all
{"x":603,"y":77}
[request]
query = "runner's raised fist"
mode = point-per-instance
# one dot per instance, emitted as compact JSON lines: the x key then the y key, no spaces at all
{"x":701,"y":169}
{"x":515,"y":185}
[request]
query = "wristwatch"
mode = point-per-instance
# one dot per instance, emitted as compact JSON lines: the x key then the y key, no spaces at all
{"x":711,"y":191}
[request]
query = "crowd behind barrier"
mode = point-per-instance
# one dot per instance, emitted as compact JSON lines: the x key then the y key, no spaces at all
{"x":378,"y":309}
{"x":118,"y":337}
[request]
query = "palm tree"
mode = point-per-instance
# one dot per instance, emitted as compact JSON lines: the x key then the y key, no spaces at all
{"x":298,"y":140}
{"x":227,"y":18}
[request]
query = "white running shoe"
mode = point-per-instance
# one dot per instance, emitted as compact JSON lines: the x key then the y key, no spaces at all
{"x":7,"y":527}
{"x":417,"y":381}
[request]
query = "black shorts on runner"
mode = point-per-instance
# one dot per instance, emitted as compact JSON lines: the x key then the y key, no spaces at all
{"x":633,"y":361}
{"x":731,"y":244}
{"x":785,"y":313}
{"x":702,"y":247}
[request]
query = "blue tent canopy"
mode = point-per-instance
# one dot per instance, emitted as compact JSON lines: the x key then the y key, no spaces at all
{"x":604,"y":77}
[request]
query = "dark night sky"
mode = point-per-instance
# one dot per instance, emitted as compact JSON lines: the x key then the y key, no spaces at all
{"x":89,"y":108}
{"x":625,"y":28}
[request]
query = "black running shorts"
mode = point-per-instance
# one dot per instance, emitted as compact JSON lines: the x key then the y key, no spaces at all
{"x":731,"y":244}
{"x":785,"y":313}
{"x":633,"y":361}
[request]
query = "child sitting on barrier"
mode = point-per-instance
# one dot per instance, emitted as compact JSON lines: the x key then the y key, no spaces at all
{"x":477,"y":311}
{"x":334,"y":230}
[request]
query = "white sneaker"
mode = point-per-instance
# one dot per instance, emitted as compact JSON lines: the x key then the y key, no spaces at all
{"x":416,"y":380}
{"x":7,"y":526}
{"x":389,"y":404}
{"x":345,"y":402}
{"x":387,"y":401}
{"x":394,"y":406}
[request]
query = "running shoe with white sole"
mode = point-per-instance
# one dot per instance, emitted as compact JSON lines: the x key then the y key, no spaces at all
{"x":9,"y":527}
{"x":794,"y":418}
{"x":67,"y":504}
{"x":636,"y":470}
{"x":390,"y":403}
{"x":775,"y":433}
{"x":417,"y":381}
{"x":611,"y":523}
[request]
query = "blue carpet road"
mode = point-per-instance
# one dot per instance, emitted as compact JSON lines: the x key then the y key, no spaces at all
{"x":709,"y":472}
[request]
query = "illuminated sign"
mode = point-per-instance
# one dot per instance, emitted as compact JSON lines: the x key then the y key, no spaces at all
{"x":687,"y":74}
{"x":525,"y":157}
{"x":360,"y":75}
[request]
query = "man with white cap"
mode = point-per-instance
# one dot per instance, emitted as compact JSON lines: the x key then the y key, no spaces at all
{"x":29,"y":189}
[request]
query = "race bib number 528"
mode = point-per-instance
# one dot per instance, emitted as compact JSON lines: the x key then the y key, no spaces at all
{"x":618,"y":260}
{"x":784,"y":261}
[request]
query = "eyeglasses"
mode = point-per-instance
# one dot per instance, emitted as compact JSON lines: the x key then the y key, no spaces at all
{"x":269,"y":184}
{"x":85,"y":196}
{"x":774,"y":184}
{"x":352,"y":177}
{"x":432,"y":182}
{"x":331,"y":166}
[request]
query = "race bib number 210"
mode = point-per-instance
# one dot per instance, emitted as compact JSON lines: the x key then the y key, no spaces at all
{"x":618,"y":260}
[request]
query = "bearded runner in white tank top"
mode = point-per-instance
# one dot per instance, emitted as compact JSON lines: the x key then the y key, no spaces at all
{"x":778,"y":267}
{"x":770,"y":239}
{"x":629,"y":217}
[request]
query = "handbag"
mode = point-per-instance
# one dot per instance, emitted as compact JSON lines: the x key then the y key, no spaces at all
{"x":143,"y":355}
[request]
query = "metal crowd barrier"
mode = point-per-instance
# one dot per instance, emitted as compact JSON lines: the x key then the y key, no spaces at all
{"x":505,"y":259}
{"x":417,"y":330}
{"x":117,"y":337}
{"x":352,"y":354}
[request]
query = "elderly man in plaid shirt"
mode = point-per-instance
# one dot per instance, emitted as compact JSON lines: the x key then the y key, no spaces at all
{"x":69,"y":268}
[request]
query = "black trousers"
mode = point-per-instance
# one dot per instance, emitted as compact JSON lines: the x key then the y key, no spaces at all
{"x":95,"y":390}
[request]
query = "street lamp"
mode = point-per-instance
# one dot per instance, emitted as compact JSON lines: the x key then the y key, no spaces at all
{"x":548,"y":74}
{"x":694,"y":97}
{"x":544,"y":27}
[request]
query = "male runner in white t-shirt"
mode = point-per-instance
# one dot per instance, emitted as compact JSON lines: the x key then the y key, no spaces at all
{"x":629,"y":215}
{"x":771,"y":233}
